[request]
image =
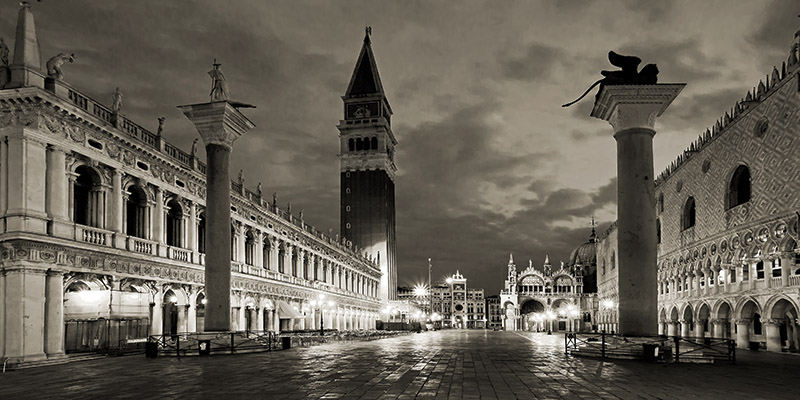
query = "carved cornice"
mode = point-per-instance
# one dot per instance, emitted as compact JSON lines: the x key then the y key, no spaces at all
{"x":634,"y":106}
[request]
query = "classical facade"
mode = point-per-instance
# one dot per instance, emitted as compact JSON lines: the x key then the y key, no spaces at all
{"x":458,"y":306}
{"x":494,"y":313}
{"x":542,"y":299}
{"x":368,"y":169}
{"x":103,"y":233}
{"x":727,"y":226}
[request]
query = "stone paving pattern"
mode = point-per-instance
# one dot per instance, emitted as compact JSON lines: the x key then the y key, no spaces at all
{"x":431,"y":365}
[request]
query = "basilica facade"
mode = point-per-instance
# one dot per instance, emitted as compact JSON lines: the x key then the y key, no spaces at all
{"x":544,"y":299}
{"x":103,"y":228}
{"x":727,"y":220}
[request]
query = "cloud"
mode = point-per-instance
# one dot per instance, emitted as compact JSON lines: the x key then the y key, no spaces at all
{"x":684,"y":60}
{"x":775,"y":29}
{"x":535,"y":64}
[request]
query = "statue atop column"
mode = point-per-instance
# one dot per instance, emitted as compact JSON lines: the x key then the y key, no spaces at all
{"x":54,"y":65}
{"x":628,"y":74}
{"x":219,"y":89}
{"x":194,"y":147}
{"x":274,"y":200}
{"x":258,"y":189}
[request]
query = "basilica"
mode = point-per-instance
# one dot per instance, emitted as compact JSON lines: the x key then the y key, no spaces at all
{"x":102,"y":222}
{"x":727,"y":225}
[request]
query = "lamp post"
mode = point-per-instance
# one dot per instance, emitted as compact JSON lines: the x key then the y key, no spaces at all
{"x":573,"y":314}
{"x":430,"y":288}
{"x":320,"y":304}
{"x":550,"y":317}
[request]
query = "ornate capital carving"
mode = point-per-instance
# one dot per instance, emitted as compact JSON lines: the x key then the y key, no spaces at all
{"x":744,"y":321}
{"x":218,"y":123}
{"x":634,"y":106}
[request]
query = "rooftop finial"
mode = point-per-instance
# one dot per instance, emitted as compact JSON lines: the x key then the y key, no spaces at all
{"x":367,"y":34}
{"x":510,"y":258}
{"x":546,"y":259}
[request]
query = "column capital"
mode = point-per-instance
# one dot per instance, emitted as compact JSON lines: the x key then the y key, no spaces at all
{"x":219,"y":123}
{"x":743,"y":321}
{"x":773,"y":322}
{"x":634,"y":106}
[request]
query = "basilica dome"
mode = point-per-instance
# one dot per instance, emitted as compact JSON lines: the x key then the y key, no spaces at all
{"x":585,"y":254}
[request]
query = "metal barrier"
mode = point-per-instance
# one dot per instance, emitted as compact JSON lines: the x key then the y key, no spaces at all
{"x":675,"y":349}
{"x":197,"y":343}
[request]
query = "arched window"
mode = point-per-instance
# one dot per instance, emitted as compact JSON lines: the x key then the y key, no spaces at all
{"x":658,"y":231}
{"x":137,"y":213}
{"x":359,"y":144}
{"x":374,"y":143}
{"x":174,"y":224}
{"x":776,"y":268}
{"x":351,"y":144}
{"x":661,"y":202}
{"x":88,"y":198}
{"x":760,"y":270}
{"x":201,"y":233}
{"x":739,"y":188}
{"x":249,"y":248}
{"x":613,"y":260}
{"x":689,"y":213}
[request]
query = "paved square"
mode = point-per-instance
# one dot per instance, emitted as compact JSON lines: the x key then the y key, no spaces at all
{"x":441,"y":365}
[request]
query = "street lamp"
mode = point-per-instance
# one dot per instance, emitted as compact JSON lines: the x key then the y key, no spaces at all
{"x":321,"y":305}
{"x":550,"y":317}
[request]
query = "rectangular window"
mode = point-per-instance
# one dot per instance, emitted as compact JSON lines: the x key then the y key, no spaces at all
{"x":745,"y":272}
{"x":776,"y":268}
{"x":760,"y":270}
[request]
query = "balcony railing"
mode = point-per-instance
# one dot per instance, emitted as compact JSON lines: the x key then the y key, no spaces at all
{"x":776,"y":282}
{"x":179,"y":254}
{"x":139,"y":245}
{"x":794,"y":280}
{"x":92,"y":235}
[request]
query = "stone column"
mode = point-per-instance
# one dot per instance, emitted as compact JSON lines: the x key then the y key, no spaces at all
{"x":699,"y":328}
{"x":672,"y":327}
{"x":219,"y":125}
{"x":117,"y":209}
{"x":258,"y":249}
{"x":301,"y":263}
{"x":157,"y":307}
{"x":57,"y":196}
{"x":743,"y":333}
{"x":787,"y":260}
{"x":158,"y":217}
{"x":274,"y":250}
{"x":773,"y":335}
{"x":191,"y":229}
{"x":54,"y":314}
{"x":25,"y":294}
{"x":3,"y":185}
{"x":632,"y":110}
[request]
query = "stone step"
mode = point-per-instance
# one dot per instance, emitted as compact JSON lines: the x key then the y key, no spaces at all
{"x":69,"y":358}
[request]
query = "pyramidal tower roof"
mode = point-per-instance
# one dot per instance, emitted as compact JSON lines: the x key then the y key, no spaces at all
{"x":366,"y":80}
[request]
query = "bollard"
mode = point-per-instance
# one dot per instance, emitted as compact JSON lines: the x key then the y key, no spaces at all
{"x":603,"y":345}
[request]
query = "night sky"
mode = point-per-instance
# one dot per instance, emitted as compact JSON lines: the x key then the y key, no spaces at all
{"x":489,"y":163}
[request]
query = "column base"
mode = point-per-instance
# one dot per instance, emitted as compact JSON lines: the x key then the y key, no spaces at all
{"x":56,"y":356}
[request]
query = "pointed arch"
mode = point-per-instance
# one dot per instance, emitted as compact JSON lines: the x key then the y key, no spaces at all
{"x":739,"y":189}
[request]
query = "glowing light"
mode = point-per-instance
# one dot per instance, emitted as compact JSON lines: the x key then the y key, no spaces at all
{"x":449,"y":280}
{"x":203,"y":301}
{"x":420,"y":291}
{"x":608,"y":303}
{"x":173,"y":299}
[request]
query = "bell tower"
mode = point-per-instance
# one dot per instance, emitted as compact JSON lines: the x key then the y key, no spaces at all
{"x":367,"y":168}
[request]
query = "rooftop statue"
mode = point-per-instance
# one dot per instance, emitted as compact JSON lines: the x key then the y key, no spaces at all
{"x":627,"y":75}
{"x":116,"y":104}
{"x":219,"y":89}
{"x":194,"y":147}
{"x":54,"y":64}
{"x":161,"y":126}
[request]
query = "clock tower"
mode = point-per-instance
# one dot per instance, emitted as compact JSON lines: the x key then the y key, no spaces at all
{"x":367,"y":168}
